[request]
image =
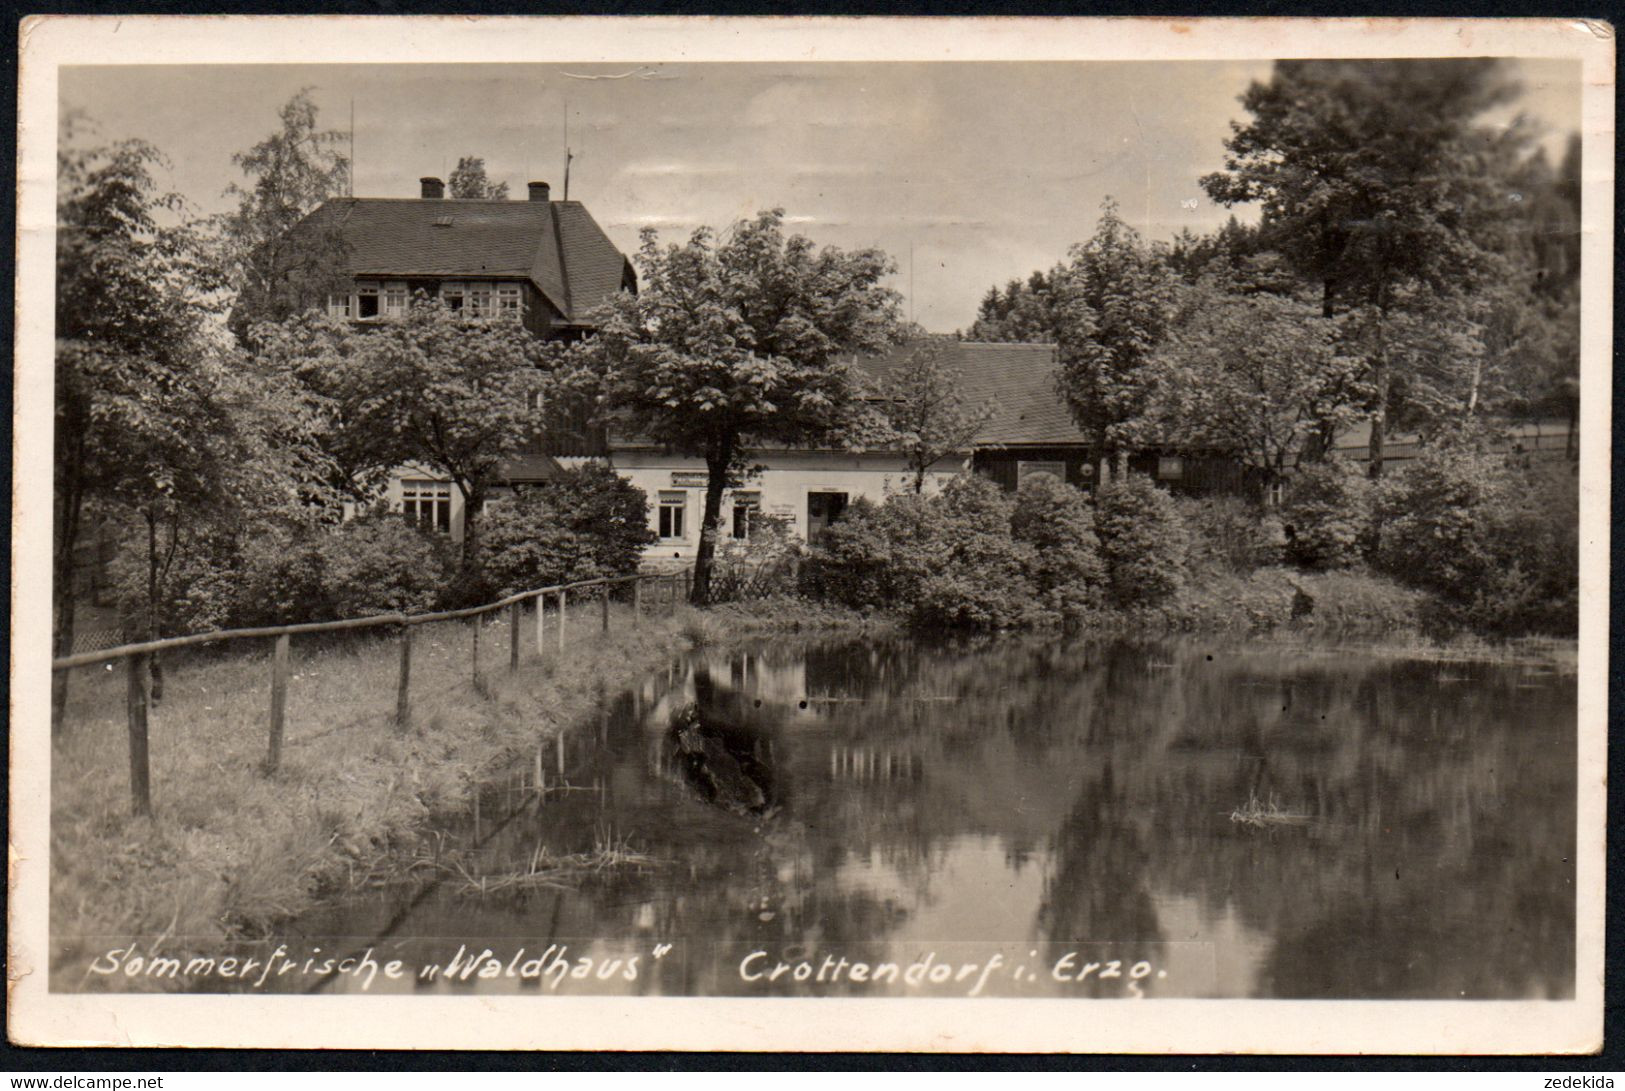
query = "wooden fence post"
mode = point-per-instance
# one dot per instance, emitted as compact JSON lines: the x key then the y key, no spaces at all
{"x":136,"y":700}
{"x":562,"y":608}
{"x":403,"y":687}
{"x":475,"y":655}
{"x":637,"y":600}
{"x":671,"y":594}
{"x":541,"y":623}
{"x":516,"y":613}
{"x":607,"y":590}
{"x":279,"y":702}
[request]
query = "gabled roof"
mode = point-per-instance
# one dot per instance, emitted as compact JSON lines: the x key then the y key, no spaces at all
{"x":1017,"y":379}
{"x":556,"y":245}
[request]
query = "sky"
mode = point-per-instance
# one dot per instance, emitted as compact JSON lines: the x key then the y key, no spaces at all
{"x":969,"y":174}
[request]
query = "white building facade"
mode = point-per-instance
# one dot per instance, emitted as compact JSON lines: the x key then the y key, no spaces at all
{"x":807,"y":489}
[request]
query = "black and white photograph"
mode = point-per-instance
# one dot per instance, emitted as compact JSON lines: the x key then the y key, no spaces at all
{"x":946,"y":537}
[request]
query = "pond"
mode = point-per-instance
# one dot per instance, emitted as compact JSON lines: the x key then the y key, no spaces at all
{"x":1190,"y":817}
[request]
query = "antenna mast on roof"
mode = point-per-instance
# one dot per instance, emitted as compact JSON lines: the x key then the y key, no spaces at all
{"x":567,"y":155}
{"x":911,"y":280}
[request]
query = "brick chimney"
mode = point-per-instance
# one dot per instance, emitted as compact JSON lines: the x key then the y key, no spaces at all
{"x":539,"y":191}
{"x":433,"y":188}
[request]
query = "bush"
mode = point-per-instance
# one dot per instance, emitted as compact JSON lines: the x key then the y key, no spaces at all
{"x":1328,"y":515}
{"x":381,"y":564}
{"x":1494,"y":543}
{"x":759,"y":565}
{"x":588,"y":524}
{"x":1228,"y":534}
{"x":1142,"y":540}
{"x":202,"y":577}
{"x":983,"y":581}
{"x":1057,"y":524}
{"x":376,"y":564}
{"x":876,"y":556}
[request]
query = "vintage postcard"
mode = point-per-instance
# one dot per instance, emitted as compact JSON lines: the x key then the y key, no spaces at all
{"x":811,"y":534}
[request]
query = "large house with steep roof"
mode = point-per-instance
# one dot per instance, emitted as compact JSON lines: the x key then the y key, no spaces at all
{"x":547,"y":261}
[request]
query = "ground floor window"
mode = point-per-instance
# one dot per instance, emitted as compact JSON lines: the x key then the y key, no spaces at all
{"x":823,"y":508}
{"x":366,"y":299}
{"x":1170,"y":468}
{"x":428,"y":504}
{"x":673,"y":505}
{"x":1026,"y":469}
{"x":746,"y":507}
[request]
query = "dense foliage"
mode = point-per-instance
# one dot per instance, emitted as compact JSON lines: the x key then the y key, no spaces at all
{"x":1328,"y":515}
{"x":1142,"y":539}
{"x":982,"y":575}
{"x":469,"y":182}
{"x":375,"y":564}
{"x":1496,"y":544}
{"x":970,"y":557}
{"x":924,"y":406}
{"x":589,"y":523}
{"x":1229,"y":534}
{"x":1056,"y":522}
{"x":735,"y":342}
{"x":876,"y":556}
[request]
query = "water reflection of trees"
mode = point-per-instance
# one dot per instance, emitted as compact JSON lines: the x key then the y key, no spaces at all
{"x":1441,"y":799}
{"x":1437,"y":859}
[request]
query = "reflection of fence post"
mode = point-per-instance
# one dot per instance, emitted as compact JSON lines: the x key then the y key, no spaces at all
{"x":516,"y":613}
{"x":607,"y":589}
{"x":279,"y":702}
{"x":541,"y":623}
{"x":403,"y":688}
{"x":136,"y":700}
{"x":563,"y":607}
{"x":637,"y":600}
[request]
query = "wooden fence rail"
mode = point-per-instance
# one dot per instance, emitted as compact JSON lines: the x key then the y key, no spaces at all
{"x":137,"y":657}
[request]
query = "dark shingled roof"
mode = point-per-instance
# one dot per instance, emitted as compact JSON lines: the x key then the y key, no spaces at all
{"x":556,"y":245}
{"x":1017,"y":379}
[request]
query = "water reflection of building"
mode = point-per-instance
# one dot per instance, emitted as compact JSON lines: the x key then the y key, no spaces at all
{"x":874,"y":764}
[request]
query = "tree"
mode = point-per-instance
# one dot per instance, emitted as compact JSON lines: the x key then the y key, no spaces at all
{"x":924,"y":405}
{"x":273,"y":270}
{"x":1259,"y":376}
{"x":589,"y":523}
{"x":1115,"y":300}
{"x":127,"y":322}
{"x":734,"y":343}
{"x":1025,"y":312}
{"x":1373,"y":179}
{"x":453,"y":394}
{"x":334,"y":389}
{"x":468,"y":182}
